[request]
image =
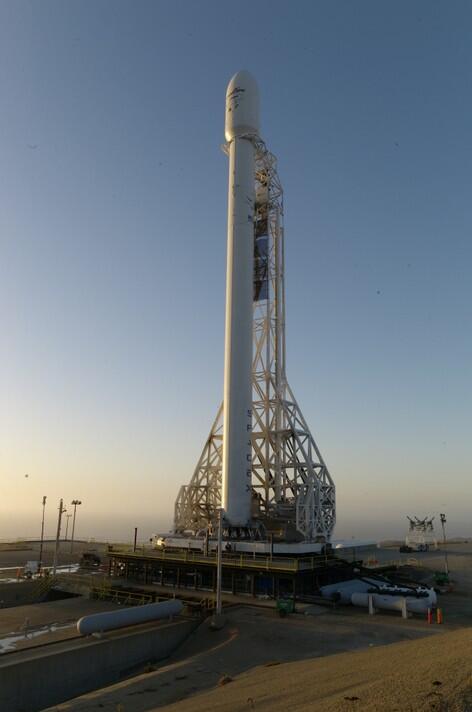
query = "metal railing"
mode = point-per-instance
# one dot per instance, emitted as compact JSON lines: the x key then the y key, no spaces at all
{"x":134,"y":598}
{"x":116,"y":595}
{"x":376,"y":564}
{"x":291,"y":565}
{"x":88,"y":580}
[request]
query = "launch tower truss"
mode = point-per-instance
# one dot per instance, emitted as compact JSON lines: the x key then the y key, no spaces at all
{"x":293,"y":494}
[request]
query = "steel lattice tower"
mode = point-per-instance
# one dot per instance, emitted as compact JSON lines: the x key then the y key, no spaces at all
{"x":293,"y":494}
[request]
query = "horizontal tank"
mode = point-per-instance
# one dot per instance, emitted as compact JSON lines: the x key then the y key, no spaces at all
{"x":343,"y":590}
{"x":100,"y":622}
{"x":356,"y":591}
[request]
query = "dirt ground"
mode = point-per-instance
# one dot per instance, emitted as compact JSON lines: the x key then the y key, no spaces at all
{"x":459,"y":559}
{"x":251,"y":640}
{"x":11,"y":559}
{"x":420,"y":676}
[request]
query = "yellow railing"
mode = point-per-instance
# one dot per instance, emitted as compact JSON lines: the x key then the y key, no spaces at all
{"x":132,"y":598}
{"x":116,"y":595}
{"x":230,"y":560}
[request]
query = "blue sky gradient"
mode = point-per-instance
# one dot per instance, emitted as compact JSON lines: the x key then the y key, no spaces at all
{"x":113,"y":242}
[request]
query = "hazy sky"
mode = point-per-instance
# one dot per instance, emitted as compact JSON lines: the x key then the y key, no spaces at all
{"x":113,"y":232}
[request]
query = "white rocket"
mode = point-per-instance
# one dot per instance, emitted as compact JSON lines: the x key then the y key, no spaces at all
{"x":241,"y":128}
{"x":260,"y":419}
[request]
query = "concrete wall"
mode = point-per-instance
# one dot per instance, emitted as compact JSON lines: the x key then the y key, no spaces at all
{"x":17,"y":594}
{"x":35,"y":679}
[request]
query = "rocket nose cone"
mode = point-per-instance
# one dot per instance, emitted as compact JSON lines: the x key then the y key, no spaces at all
{"x":242,"y":106}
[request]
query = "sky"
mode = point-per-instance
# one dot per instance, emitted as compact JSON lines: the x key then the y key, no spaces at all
{"x":113,"y":245}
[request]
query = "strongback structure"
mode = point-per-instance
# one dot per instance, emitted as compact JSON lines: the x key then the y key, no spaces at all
{"x":292,"y":495}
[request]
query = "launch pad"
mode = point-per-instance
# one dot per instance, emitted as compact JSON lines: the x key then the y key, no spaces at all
{"x":253,"y":575}
{"x":260,"y":464}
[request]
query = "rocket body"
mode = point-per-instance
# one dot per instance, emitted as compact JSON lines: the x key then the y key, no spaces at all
{"x":241,"y":127}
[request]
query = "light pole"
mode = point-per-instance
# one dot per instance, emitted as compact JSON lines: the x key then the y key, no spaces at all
{"x":218,"y":620}
{"x":58,"y":536}
{"x":443,"y":522}
{"x":68,"y":516}
{"x":219,"y":561}
{"x":42,"y":537}
{"x":75,"y":503}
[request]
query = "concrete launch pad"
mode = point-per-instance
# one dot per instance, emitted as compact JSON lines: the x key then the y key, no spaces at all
{"x":242,"y":573}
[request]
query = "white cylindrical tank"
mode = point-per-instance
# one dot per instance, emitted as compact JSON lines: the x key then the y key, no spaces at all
{"x":111,"y":620}
{"x":241,"y":126}
{"x":343,"y":590}
{"x":395,"y":603}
